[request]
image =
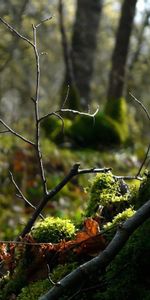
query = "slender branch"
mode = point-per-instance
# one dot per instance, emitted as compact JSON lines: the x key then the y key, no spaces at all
{"x":71,"y":111}
{"x":99,"y":263}
{"x":67,"y":95}
{"x":128,"y":177}
{"x":79,"y":113}
{"x":43,"y":21}
{"x":4,"y":131}
{"x":144,"y":161}
{"x":141,"y":104}
{"x":73,"y":172}
{"x":16,"y":32}
{"x":21,"y":194}
{"x":148,"y":116}
{"x":16,"y":134}
{"x":36,"y":109}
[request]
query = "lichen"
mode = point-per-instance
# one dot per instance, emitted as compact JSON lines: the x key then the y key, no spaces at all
{"x":53,"y":230}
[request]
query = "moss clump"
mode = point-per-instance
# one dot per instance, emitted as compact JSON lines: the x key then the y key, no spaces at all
{"x":111,"y":227}
{"x":98,"y":131}
{"x":53,"y":230}
{"x":105,"y":190}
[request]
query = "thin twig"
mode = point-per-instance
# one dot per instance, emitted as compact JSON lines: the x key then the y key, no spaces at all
{"x":4,"y":131}
{"x":66,"y":98}
{"x":148,"y":116}
{"x":128,"y":177}
{"x":144,"y":161}
{"x":16,"y":133}
{"x":141,"y":104}
{"x":43,"y":21}
{"x":79,"y":113}
{"x":36,"y":109}
{"x":71,"y":111}
{"x":16,"y":32}
{"x":21,"y":194}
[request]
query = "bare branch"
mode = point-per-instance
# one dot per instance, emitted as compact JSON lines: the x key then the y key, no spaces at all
{"x":73,"y":172}
{"x":71,"y":111}
{"x":16,"y":32}
{"x":98,"y":264}
{"x":66,"y":98}
{"x":141,"y":104}
{"x":21,"y":194}
{"x":16,"y":134}
{"x":36,"y":109}
{"x":43,"y":21}
{"x":79,"y":112}
{"x":144,"y":161}
{"x":128,"y":177}
{"x":148,"y":116}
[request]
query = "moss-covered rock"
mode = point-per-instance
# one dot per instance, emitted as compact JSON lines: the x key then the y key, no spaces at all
{"x":53,"y":230}
{"x":104,"y":191}
{"x":99,"y":131}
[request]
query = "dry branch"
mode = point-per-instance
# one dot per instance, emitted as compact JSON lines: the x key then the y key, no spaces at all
{"x":74,"y":280}
{"x":73,"y":172}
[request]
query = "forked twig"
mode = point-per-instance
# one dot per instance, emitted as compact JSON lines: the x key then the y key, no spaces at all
{"x":21,"y":194}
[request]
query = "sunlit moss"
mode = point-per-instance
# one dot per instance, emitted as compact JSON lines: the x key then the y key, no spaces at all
{"x":104,"y":190}
{"x":111,"y":227}
{"x":53,"y":230}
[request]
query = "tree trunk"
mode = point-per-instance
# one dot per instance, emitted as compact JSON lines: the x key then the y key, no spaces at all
{"x":119,"y":57}
{"x":84,"y":42}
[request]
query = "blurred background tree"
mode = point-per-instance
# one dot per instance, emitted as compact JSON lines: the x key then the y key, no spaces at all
{"x":91,"y":72}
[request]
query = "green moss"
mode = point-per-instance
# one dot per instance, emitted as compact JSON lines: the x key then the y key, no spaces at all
{"x":39,"y":288}
{"x":104,"y":190}
{"x":55,"y":129}
{"x":53,"y":230}
{"x":129,"y":271}
{"x":117,"y":110}
{"x":34,"y":290}
{"x":14,"y":285}
{"x":111,"y":227}
{"x":101,"y":130}
{"x":144,"y":191}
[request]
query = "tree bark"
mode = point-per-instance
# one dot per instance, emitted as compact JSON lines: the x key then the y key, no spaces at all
{"x":84,"y":42}
{"x":119,"y":57}
{"x":99,"y":263}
